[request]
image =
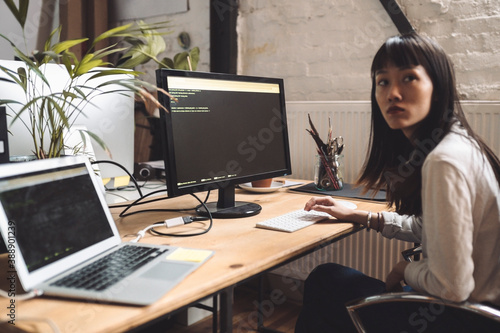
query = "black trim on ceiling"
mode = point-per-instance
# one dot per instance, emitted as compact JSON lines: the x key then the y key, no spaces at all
{"x":397,"y":16}
{"x":223,"y":36}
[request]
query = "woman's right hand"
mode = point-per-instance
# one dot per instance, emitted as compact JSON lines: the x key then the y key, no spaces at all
{"x":336,"y":209}
{"x":329,"y":205}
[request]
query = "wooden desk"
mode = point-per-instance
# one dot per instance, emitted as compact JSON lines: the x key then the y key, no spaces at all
{"x":241,"y":252}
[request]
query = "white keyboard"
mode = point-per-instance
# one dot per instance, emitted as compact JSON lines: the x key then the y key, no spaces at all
{"x":293,"y":221}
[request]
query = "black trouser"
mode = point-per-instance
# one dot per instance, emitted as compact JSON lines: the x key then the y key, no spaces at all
{"x":326,"y":291}
{"x":330,"y":286}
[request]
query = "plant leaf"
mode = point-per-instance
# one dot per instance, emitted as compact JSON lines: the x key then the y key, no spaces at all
{"x":87,"y":63}
{"x":66,"y":60}
{"x":111,"y":33}
{"x":9,"y":101}
{"x":167,"y":63}
{"x":21,"y":13}
{"x":142,"y":50}
{"x":50,"y":55}
{"x":145,"y":45}
{"x":23,"y":77}
{"x":99,"y":141}
{"x":181,"y":61}
{"x":8,"y":40}
{"x":113,"y":72}
{"x":62,"y":114}
{"x":133,"y":60}
{"x":66,"y":45}
{"x":69,"y":94}
{"x":23,"y":10}
{"x":99,"y":54}
{"x":80,"y":92}
{"x":31,"y":65}
{"x":48,"y":42}
{"x":194,"y":55}
{"x":12,"y":74}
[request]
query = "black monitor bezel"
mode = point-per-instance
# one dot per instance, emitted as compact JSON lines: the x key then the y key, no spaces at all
{"x":167,"y":139}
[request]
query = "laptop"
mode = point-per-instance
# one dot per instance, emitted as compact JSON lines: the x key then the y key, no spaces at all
{"x":55,"y":223}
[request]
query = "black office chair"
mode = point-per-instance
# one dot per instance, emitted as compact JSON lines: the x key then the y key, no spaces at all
{"x":426,"y":316}
{"x":421,"y":313}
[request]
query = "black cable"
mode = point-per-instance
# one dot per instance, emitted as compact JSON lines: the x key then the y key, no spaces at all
{"x":123,"y":168}
{"x":156,"y":232}
{"x":137,"y":186}
{"x":137,"y":202}
{"x":141,"y":197}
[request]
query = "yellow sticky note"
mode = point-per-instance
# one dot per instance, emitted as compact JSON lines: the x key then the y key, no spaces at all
{"x":122,"y":181}
{"x":106,"y":180}
{"x":182,"y":254}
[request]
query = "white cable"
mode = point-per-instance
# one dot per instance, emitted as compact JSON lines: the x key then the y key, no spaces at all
{"x":22,"y":297}
{"x":141,"y":233}
{"x":26,"y":296}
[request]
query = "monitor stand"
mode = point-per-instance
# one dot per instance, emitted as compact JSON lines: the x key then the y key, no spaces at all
{"x":227,"y":207}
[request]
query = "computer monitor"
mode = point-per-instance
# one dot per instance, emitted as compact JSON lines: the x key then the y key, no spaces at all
{"x":4,"y":140}
{"x":110,"y":116}
{"x":222,"y":130}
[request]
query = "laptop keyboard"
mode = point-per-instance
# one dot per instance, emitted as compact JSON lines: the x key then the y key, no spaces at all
{"x":110,"y":269}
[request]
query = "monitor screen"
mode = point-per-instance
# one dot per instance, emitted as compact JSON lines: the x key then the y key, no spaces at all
{"x":222,"y":130}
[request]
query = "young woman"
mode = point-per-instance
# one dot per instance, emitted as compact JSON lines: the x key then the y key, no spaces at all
{"x":441,"y":180}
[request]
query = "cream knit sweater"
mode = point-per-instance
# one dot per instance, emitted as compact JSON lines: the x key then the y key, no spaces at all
{"x":460,"y":225}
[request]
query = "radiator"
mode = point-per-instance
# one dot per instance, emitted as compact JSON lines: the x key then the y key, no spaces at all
{"x":368,"y":252}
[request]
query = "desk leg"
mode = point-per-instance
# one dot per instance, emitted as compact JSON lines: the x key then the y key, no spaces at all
{"x":226,"y":310}
{"x":260,"y":319}
{"x":215,"y":320}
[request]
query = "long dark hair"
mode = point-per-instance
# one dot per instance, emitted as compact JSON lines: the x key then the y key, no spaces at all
{"x":393,"y":162}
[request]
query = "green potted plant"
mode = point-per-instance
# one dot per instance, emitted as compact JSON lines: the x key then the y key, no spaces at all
{"x":52,"y":112}
{"x":146,"y":46}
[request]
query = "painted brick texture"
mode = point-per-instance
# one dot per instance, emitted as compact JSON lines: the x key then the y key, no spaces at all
{"x":323,"y":48}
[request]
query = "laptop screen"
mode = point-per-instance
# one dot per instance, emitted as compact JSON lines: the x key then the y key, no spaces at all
{"x":55,"y":213}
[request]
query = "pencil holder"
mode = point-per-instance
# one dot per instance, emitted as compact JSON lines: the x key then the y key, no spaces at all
{"x":328,"y":172}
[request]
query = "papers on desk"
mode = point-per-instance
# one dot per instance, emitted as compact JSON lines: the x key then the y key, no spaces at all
{"x":192,"y":255}
{"x":289,"y":183}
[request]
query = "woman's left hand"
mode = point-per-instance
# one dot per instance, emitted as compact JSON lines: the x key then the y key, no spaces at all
{"x":393,"y":281}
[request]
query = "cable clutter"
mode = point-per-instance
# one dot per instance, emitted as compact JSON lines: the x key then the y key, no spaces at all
{"x":169,"y":223}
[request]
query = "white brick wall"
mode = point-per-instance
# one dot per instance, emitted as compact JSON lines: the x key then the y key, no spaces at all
{"x":323,"y":48}
{"x":196,"y":22}
{"x":469,"y":31}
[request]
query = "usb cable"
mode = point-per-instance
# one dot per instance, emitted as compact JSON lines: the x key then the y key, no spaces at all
{"x":169,"y":224}
{"x":183,"y":220}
